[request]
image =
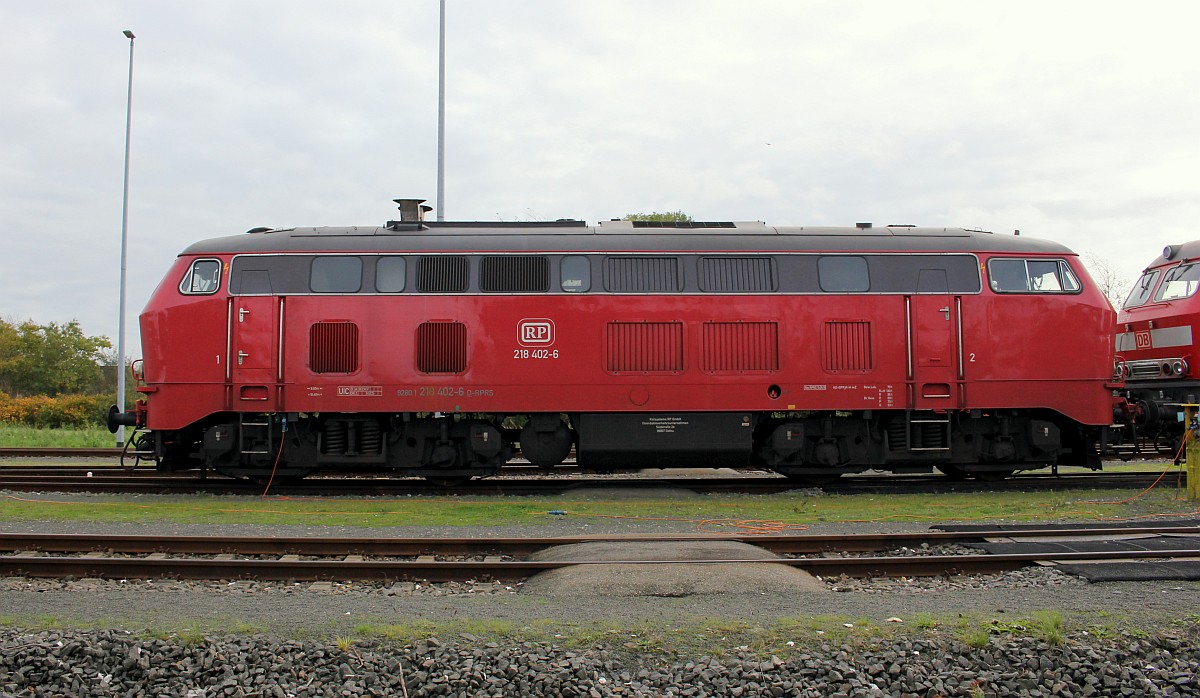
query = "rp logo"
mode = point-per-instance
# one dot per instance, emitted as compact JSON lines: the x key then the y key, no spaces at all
{"x":1142,"y":339}
{"x":535,"y":332}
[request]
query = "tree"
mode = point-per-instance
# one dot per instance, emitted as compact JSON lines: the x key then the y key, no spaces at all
{"x":666,"y":216}
{"x":1111,"y":282}
{"x":50,"y":359}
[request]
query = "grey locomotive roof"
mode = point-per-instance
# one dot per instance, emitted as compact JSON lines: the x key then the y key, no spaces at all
{"x":618,"y":236}
{"x":1183,"y":252}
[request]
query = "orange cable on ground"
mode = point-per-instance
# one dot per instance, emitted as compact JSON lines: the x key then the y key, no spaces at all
{"x":1187,"y":436}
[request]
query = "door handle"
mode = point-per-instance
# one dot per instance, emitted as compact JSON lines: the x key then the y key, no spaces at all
{"x":242,"y":313}
{"x":945,"y":310}
{"x":242,"y":357}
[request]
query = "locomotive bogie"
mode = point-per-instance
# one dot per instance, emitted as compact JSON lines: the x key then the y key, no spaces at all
{"x":441,"y":350}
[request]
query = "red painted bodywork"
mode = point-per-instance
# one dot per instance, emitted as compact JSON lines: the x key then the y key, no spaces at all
{"x":1017,"y":351}
{"x":1140,"y":329}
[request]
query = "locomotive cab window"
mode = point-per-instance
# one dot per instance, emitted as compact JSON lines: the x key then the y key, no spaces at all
{"x":336,"y":275}
{"x":1142,"y":290}
{"x":1032,"y":276}
{"x":1180,"y":282}
{"x":203,"y":278}
{"x":843,"y":274}
{"x":390,"y":274}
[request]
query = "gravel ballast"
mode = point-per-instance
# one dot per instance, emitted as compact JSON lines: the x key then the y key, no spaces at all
{"x":108,"y":663}
{"x":872,"y":637}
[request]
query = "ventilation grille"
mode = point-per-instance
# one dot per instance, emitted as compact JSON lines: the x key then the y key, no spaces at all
{"x":846,"y":346}
{"x":514,"y":275}
{"x":740,"y":346}
{"x":333,"y":347}
{"x":641,"y":274}
{"x":442,"y":347}
{"x":683,"y":224}
{"x":443,"y":275}
{"x":645,"y":347}
{"x":736,"y":274}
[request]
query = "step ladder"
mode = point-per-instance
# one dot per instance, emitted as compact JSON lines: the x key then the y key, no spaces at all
{"x":255,"y":437}
{"x":928,"y":431}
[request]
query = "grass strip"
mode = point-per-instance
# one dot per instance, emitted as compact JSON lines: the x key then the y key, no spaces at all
{"x":732,"y":513}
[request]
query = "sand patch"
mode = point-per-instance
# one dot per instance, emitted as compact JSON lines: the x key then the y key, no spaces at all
{"x":616,"y":576}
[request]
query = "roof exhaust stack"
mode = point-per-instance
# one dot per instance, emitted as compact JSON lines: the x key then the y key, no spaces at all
{"x":411,"y":210}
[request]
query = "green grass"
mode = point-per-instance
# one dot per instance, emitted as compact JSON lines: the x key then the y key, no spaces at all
{"x":12,"y":436}
{"x":696,"y":636}
{"x":722,"y":636}
{"x":709,"y":513}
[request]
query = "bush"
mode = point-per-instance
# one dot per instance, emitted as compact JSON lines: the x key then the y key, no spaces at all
{"x":55,"y":412}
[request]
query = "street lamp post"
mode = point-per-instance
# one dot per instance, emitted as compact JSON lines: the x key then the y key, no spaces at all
{"x":441,"y":145}
{"x":124,"y":238}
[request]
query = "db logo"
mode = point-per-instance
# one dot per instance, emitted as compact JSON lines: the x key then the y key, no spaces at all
{"x":537,"y":332}
{"x":1142,"y":339}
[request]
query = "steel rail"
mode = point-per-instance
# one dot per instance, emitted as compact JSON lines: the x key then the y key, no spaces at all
{"x":396,"y":547}
{"x":516,"y":462}
{"x":114,"y":480}
{"x":285,"y":569}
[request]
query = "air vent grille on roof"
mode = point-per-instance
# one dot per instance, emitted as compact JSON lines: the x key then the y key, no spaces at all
{"x":683,"y":224}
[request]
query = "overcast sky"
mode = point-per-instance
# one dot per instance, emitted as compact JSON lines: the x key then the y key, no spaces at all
{"x":1073,"y":121}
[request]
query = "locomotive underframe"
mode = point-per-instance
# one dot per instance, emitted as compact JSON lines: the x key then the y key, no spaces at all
{"x":1155,"y":414}
{"x":455,"y":447}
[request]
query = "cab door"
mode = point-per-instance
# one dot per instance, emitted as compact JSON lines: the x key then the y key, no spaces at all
{"x":255,"y":330}
{"x":934,"y":356}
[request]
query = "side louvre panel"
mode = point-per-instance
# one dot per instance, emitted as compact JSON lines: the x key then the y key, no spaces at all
{"x":444,"y":274}
{"x":846,"y":346}
{"x":736,"y":274}
{"x":644,"y":347}
{"x":441,"y":347}
{"x":641,"y":274}
{"x":739,"y":346}
{"x":515,"y":274}
{"x":333,"y":347}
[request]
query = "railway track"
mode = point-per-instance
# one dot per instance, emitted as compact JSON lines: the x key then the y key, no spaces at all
{"x":114,"y":479}
{"x":505,"y":559}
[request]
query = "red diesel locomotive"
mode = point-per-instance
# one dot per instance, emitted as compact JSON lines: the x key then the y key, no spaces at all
{"x":1156,"y":340}
{"x":434,"y":349}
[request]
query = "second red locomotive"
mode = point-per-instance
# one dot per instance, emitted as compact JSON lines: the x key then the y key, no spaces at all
{"x":1157,"y":331}
{"x":435,"y":349}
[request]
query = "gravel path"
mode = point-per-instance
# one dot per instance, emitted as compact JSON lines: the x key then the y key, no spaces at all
{"x":851,"y":638}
